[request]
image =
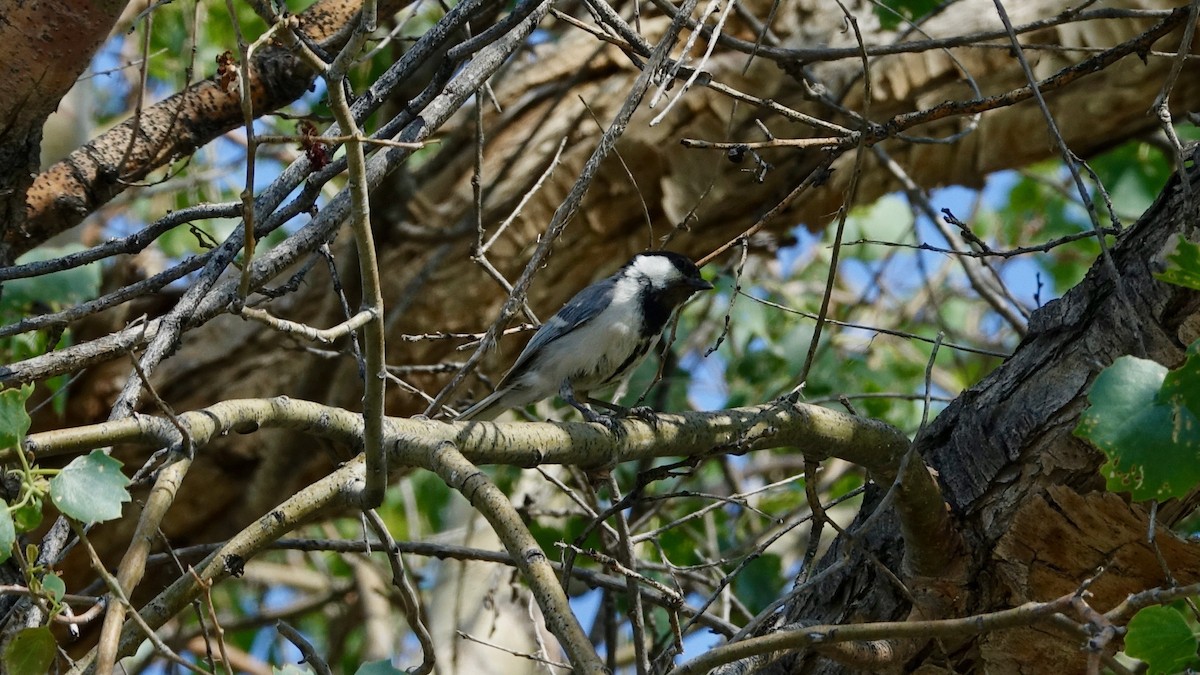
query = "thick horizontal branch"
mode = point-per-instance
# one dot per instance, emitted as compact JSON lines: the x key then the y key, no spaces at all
{"x":820,"y":433}
{"x":817,"y":432}
{"x":413,"y":442}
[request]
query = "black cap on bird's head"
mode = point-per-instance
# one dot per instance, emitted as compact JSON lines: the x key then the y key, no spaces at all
{"x":668,"y":280}
{"x":665,"y":270}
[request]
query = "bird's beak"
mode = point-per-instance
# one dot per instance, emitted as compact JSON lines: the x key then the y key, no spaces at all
{"x":701,"y":285}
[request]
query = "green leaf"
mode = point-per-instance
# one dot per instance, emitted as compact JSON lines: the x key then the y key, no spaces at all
{"x":1183,"y":264}
{"x":679,"y":545}
{"x":1151,"y":440}
{"x":891,"y":12}
{"x":760,"y":582}
{"x":381,"y":667}
{"x":1134,"y":174}
{"x":1182,"y":385}
{"x":1161,"y":637}
{"x":14,"y":421}
{"x":90,"y":489}
{"x":59,"y":289}
{"x":31,"y":652}
{"x":28,"y":516}
{"x":8,"y":535}
{"x":54,"y":585}
{"x":889,"y":219}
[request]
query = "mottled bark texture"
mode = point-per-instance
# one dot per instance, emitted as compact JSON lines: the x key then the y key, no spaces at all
{"x":68,"y":191}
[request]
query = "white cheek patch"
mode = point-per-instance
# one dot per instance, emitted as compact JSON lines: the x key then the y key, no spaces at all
{"x":658,"y":269}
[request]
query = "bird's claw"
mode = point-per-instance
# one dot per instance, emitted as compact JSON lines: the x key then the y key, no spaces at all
{"x":612,"y":423}
{"x":644,"y":413}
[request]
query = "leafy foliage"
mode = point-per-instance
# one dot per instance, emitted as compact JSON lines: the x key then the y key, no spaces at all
{"x":90,"y":489}
{"x":51,"y":292}
{"x":1183,"y":264}
{"x":8,"y":535}
{"x":54,"y":586}
{"x":383,"y":667}
{"x":1162,"y":638}
{"x":30,"y":652}
{"x":14,"y":421}
{"x":760,"y":582}
{"x":895,"y":13}
{"x":1143,"y":420}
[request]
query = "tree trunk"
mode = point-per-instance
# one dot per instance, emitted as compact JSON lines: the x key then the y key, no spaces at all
{"x":1025,"y":491}
{"x":48,"y":43}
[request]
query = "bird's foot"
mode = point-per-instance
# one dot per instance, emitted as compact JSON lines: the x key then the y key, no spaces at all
{"x":610,"y":422}
{"x":641,"y":412}
{"x":644,"y":413}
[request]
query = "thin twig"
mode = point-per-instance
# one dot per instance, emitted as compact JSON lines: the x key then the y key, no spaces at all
{"x":848,"y":200}
{"x":1070,"y":160}
{"x":311,"y":657}
{"x":375,"y":375}
{"x":115,"y":587}
{"x":409,"y":601}
{"x":628,"y":559}
{"x":566,"y":211}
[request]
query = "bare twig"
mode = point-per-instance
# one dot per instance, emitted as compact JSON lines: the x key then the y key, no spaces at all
{"x":409,"y":600}
{"x":311,"y":657}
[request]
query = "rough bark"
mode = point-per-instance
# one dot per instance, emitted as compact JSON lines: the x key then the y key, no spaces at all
{"x":1025,"y":491}
{"x":68,"y":191}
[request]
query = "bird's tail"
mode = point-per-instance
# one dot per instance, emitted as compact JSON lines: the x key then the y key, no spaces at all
{"x":485,"y":410}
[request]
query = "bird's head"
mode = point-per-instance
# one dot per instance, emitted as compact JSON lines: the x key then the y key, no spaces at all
{"x":672,"y":277}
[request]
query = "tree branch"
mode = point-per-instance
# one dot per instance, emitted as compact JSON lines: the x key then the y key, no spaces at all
{"x":818,"y":636}
{"x":823,"y":433}
{"x":459,"y":473}
{"x":64,"y":194}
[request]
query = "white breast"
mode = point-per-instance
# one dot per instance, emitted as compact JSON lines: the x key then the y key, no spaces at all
{"x":590,"y":354}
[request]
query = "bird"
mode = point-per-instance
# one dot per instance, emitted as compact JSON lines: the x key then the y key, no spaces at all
{"x":598,"y":337}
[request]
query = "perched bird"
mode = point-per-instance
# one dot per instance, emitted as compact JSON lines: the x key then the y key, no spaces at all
{"x":598,"y":337}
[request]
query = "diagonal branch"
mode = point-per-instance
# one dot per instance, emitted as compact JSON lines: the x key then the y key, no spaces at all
{"x":92,"y":175}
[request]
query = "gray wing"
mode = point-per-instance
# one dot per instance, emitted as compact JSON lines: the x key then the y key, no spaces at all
{"x":584,"y":307}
